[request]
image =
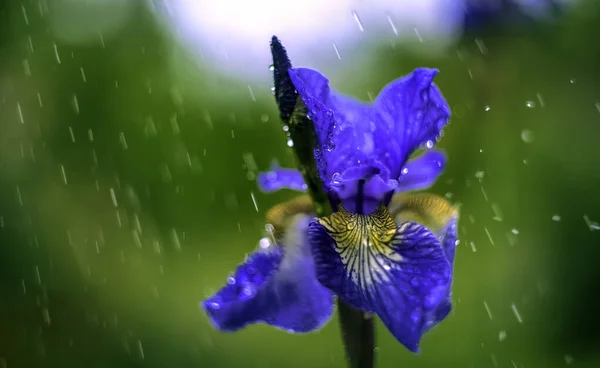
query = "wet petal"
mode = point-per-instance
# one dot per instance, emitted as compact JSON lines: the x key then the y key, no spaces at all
{"x":434,"y":212}
{"x":421,"y":172}
{"x":415,"y":108}
{"x":360,"y":141}
{"x":440,"y":217}
{"x":276,"y":285}
{"x":280,"y":178}
{"x":400,"y":273}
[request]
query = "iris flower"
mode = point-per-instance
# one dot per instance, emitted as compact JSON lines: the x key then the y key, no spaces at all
{"x":384,"y":250}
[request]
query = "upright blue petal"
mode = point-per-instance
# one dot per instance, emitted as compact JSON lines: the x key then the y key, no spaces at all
{"x":421,"y":172}
{"x":398,"y":272}
{"x":276,"y":285}
{"x":279,"y":178}
{"x":370,"y":143}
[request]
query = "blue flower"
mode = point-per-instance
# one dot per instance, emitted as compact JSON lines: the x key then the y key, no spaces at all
{"x":384,"y":251}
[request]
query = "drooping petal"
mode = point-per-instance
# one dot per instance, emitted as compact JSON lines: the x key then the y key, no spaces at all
{"x":439,"y":216}
{"x":434,"y":212}
{"x":364,"y":142}
{"x":280,"y":178}
{"x":398,"y":272}
{"x":276,"y":285}
{"x":421,"y":172}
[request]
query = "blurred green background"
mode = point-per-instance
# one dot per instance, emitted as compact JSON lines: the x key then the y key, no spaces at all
{"x":126,"y":183}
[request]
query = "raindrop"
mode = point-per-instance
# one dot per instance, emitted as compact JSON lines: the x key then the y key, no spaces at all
{"x":592,"y":225}
{"x":20,"y":112}
{"x":502,"y":335}
{"x":481,"y":46}
{"x":487,"y":309}
{"x":487,"y":232}
{"x":337,"y":52}
{"x":516,"y":312}
{"x":64,"y":174}
{"x":540,"y":100}
{"x":251,"y":94}
{"x":556,"y":218}
{"x":140,"y":349}
{"x":530,"y":104}
{"x":264,"y":243}
{"x":56,"y":55}
{"x":487,"y":108}
{"x":394,"y":29}
{"x":290,"y":143}
{"x":515,"y":231}
{"x":271,"y":67}
{"x":357,"y":20}
{"x":421,"y":40}
{"x":254,"y":201}
{"x":527,"y":136}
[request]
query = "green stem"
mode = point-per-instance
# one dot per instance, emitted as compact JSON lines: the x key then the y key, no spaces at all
{"x":356,"y":328}
{"x":358,"y":334}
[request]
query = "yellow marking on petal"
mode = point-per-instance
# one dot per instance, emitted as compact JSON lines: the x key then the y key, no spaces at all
{"x":374,"y":230}
{"x":280,"y":215}
{"x":364,"y":244}
{"x":427,"y":209}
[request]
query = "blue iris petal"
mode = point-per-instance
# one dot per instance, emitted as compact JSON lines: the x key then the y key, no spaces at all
{"x":280,"y":178}
{"x":448,"y":238}
{"x":422,"y":172}
{"x":401,"y":274}
{"x":277,"y":286}
{"x":371,"y":142}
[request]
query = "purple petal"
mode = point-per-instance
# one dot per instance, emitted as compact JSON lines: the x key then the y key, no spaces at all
{"x":276,"y":285}
{"x":415,"y":108}
{"x":449,"y":239}
{"x":441,"y":218}
{"x":371,"y":143}
{"x":400,"y":273}
{"x":420,"y":173}
{"x":345,"y":128}
{"x":280,"y":178}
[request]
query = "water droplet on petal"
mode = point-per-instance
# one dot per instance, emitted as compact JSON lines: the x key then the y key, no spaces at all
{"x":336,"y":179}
{"x":429,"y":144}
{"x":214,"y":305}
{"x":248,"y":291}
{"x":264,"y":243}
{"x":405,"y":171}
{"x":231,"y":280}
